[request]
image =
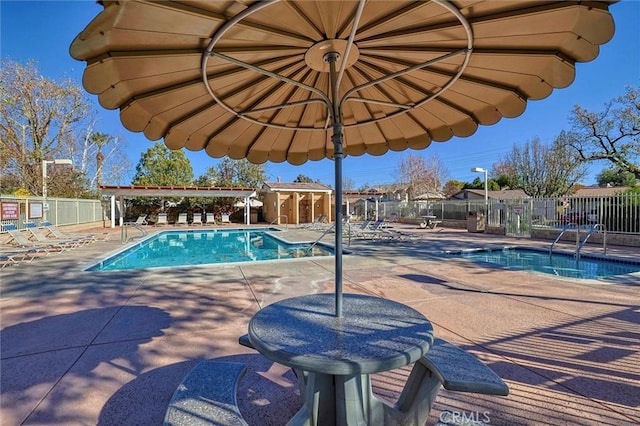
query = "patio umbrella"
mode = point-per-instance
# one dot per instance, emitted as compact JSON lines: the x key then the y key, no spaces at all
{"x":307,"y":80}
{"x":252,"y":203}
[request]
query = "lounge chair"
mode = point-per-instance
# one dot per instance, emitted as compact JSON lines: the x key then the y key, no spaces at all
{"x":40,"y":236}
{"x":55,"y":231}
{"x":21,"y":240}
{"x":224,"y":218}
{"x":142,"y":220}
{"x":15,"y":256}
{"x":162,"y":219}
{"x":211,"y":219}
{"x":197,"y":219}
{"x":319,"y":223}
{"x":182,"y":219}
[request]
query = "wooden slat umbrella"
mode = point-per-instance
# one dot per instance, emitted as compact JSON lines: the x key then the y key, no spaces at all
{"x":306,"y":80}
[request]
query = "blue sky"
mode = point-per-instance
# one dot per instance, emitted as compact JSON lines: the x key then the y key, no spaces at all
{"x":43,"y":30}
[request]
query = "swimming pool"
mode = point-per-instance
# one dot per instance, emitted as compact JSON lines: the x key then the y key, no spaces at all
{"x":558,"y":264}
{"x":202,"y":247}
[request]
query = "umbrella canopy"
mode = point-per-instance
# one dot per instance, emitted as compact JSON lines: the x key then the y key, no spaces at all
{"x":252,"y":203}
{"x":307,"y":80}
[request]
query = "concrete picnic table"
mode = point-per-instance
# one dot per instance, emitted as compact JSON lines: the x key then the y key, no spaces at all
{"x":336,"y":355}
{"x":427,"y":221}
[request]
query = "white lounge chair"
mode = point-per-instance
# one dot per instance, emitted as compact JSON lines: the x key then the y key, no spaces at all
{"x":182,"y":219}
{"x":40,"y":236}
{"x":141,"y":220}
{"x":21,"y":240}
{"x":211,"y":219}
{"x":54,"y":230}
{"x":197,"y":219}
{"x":162,"y":219}
{"x":224,"y":218}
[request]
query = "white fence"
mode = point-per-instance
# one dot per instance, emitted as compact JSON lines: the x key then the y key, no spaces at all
{"x":619,"y":213}
{"x":59,"y":211}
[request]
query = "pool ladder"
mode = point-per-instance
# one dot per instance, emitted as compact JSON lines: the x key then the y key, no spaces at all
{"x":124,"y":237}
{"x":580,"y":244}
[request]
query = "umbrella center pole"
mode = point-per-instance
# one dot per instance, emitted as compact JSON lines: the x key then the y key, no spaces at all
{"x":337,"y":138}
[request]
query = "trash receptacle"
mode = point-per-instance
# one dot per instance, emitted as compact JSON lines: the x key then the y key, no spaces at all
{"x":475,"y":222}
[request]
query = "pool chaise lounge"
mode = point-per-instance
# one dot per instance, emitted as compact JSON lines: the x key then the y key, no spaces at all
{"x":40,"y":236}
{"x":55,"y":231}
{"x":18,"y":238}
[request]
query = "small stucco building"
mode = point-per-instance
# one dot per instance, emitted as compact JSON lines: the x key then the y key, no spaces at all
{"x":295,"y":202}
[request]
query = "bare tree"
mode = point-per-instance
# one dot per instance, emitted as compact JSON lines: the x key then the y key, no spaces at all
{"x":542,"y":170}
{"x":39,"y":120}
{"x":421,"y":175}
{"x":612,"y":135}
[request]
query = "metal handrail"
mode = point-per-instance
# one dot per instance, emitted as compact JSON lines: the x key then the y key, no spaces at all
{"x":124,"y":237}
{"x":564,"y":229}
{"x":286,"y":220}
{"x":593,"y":229}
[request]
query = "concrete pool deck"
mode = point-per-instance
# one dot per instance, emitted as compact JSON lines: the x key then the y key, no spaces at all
{"x":84,"y":348}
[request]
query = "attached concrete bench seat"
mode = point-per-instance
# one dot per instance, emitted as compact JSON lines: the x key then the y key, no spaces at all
{"x":447,"y":365}
{"x":207,"y":396}
{"x":444,"y":364}
{"x":460,"y":371}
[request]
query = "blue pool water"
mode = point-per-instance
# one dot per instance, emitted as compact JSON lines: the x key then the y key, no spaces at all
{"x":587,"y":267}
{"x":183,"y":248}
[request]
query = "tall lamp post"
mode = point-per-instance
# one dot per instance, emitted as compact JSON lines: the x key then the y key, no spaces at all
{"x":44,"y":181}
{"x":486,"y":189}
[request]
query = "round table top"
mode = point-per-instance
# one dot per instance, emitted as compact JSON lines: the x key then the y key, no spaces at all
{"x":373,"y":334}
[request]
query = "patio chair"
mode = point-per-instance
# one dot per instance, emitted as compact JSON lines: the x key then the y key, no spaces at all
{"x":319,"y":223}
{"x":182,"y":219}
{"x":210,"y":219}
{"x":55,"y":231}
{"x":21,"y":240}
{"x":142,"y":220}
{"x":162,"y":219}
{"x":40,"y":236}
{"x":197,"y":219}
{"x":224,"y":218}
{"x":14,"y":256}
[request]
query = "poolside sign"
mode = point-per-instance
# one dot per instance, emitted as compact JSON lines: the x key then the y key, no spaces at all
{"x":518,"y":209}
{"x":10,"y":210}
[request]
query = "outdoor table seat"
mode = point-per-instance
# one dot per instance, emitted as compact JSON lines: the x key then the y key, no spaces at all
{"x":444,"y":364}
{"x":207,"y":396}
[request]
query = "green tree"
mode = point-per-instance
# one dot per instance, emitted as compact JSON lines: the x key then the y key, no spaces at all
{"x":160,"y":166}
{"x":615,"y":177}
{"x":235,"y":173}
{"x":304,"y":179}
{"x":478,"y":183}
{"x":612,"y":135}
{"x":451,"y":187}
{"x":544,"y":170}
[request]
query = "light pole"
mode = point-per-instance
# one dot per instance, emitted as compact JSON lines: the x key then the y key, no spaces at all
{"x":486,"y":189}
{"x":44,"y":182}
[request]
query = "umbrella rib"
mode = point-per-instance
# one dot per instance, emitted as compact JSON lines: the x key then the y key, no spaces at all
{"x":266,"y":73}
{"x":411,"y":69}
{"x":354,"y":30}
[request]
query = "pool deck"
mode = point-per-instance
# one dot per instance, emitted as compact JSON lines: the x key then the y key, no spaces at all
{"x":85,"y":348}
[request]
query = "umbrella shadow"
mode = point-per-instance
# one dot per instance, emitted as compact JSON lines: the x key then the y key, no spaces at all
{"x":267,"y":394}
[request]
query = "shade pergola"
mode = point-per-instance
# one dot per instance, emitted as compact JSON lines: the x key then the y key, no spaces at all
{"x":122,"y":192}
